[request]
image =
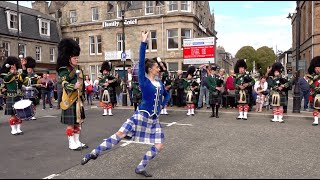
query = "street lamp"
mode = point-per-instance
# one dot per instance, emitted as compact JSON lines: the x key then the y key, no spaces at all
{"x":296,"y":90}
{"x":124,"y":5}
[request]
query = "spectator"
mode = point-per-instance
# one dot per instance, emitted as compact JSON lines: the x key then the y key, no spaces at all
{"x":46,"y":87}
{"x":118,"y":89}
{"x":96,"y":89}
{"x":304,"y":91}
{"x":89,"y":89}
{"x":204,"y":91}
{"x":230,"y":90}
{"x":260,"y":92}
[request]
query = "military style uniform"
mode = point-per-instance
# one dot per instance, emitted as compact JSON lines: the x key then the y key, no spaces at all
{"x":215,"y":95}
{"x":277,"y":98}
{"x":191,"y":95}
{"x":243,"y":96}
{"x":111,"y":90}
{"x":69,"y":79}
{"x":2,"y":91}
{"x":136,"y":94}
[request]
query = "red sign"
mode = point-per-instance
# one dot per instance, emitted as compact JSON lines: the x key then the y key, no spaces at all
{"x":190,"y":52}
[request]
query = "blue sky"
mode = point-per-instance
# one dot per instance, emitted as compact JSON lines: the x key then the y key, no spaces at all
{"x":248,"y":23}
{"x":253,"y":23}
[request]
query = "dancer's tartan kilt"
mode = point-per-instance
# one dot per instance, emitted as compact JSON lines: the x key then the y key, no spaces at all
{"x":69,"y":116}
{"x":9,"y":105}
{"x":144,"y":128}
{"x":283,"y":98}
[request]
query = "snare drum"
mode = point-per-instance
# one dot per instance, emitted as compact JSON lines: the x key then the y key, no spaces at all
{"x":29,"y":92}
{"x":23,"y":109}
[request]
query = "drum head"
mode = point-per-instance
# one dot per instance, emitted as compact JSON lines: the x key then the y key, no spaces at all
{"x":22,"y":104}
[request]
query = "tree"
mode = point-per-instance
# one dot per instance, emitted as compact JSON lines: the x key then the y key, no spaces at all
{"x":248,"y":53}
{"x":265,"y":58}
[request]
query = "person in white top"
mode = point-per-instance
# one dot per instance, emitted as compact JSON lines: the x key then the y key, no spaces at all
{"x":260,"y":88}
{"x":129,"y":85}
{"x":89,"y":89}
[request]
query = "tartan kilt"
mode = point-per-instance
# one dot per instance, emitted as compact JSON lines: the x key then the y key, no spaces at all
{"x":144,"y":128}
{"x":69,"y":116}
{"x":136,"y":98}
{"x":9,"y":110}
{"x":283,"y":98}
{"x":215,"y":99}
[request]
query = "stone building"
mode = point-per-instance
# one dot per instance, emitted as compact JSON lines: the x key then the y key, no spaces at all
{"x":309,"y":45}
{"x":97,"y":26}
{"x":37,"y":36}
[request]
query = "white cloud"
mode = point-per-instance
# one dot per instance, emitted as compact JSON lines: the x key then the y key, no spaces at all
{"x":248,"y":6}
{"x":275,"y":21}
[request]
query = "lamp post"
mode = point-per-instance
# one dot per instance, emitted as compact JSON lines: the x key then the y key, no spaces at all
{"x":124,"y":5}
{"x":296,"y":90}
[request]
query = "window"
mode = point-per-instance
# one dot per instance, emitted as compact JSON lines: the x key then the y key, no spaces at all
{"x":93,"y":73}
{"x":12,"y":20}
{"x":92,"y":45}
{"x":44,"y":27}
{"x":119,"y":42}
{"x":6,"y":46}
{"x":119,"y":12}
{"x":172,"y":36}
{"x":173,"y":66}
{"x":185,"y":34}
{"x":95,"y":45}
{"x":51,"y":54}
{"x":172,"y":6}
{"x":38,"y":53}
{"x":99,"y":45}
{"x":153,"y":38}
{"x":22,"y":50}
{"x":149,"y":7}
{"x":73,"y":16}
{"x":77,"y":40}
{"x":185,"y":6}
{"x":95,"y":14}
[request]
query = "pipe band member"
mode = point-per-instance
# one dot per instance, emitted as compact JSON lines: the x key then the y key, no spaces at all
{"x":278,"y":85}
{"x":243,"y":85}
{"x":31,"y":81}
{"x":71,"y":75}
{"x":108,"y":83}
{"x":144,"y":124}
{"x":314,"y":82}
{"x":13,"y":81}
{"x":214,"y":83}
{"x":191,"y":87}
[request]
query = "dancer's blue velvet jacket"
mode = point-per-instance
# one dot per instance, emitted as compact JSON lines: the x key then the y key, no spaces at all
{"x":153,"y":99}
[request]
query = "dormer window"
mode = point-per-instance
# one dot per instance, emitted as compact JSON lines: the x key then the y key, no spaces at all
{"x":44,"y":27}
{"x":12,"y":20}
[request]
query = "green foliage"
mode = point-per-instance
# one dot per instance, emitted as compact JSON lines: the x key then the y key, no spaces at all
{"x":263,"y":56}
{"x":266,"y":57}
{"x":248,"y":53}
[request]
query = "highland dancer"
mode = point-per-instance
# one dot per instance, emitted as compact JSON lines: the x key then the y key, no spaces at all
{"x":144,"y":124}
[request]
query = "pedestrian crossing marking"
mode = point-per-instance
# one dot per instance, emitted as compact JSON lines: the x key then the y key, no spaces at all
{"x":175,"y":123}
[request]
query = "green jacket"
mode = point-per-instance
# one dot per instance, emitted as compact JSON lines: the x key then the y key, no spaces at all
{"x":69,"y":79}
{"x":242,"y":79}
{"x":13,"y":83}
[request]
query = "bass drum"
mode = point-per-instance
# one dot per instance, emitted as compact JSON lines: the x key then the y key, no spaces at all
{"x":135,"y":72}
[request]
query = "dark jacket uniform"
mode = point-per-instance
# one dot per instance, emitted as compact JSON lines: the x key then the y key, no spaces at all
{"x":111,"y":87}
{"x":187,"y":86}
{"x":69,"y":79}
{"x":274,"y":83}
{"x":215,"y":95}
{"x":13,"y":84}
{"x":241,"y":79}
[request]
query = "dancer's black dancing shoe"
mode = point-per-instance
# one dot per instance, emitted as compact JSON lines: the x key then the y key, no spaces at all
{"x":144,"y":173}
{"x":87,"y":158}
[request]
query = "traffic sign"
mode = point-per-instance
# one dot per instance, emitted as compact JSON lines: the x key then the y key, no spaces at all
{"x":123,"y":56}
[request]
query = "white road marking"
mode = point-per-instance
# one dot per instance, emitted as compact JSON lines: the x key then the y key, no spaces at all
{"x":94,"y":107}
{"x":129,"y":142}
{"x":51,"y":176}
{"x":50,"y":116}
{"x":179,"y":124}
